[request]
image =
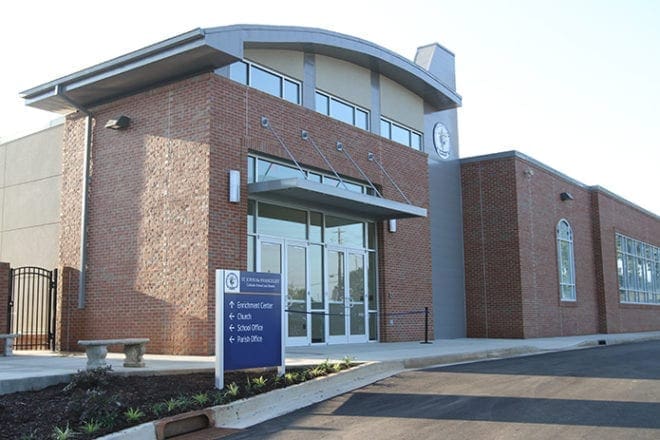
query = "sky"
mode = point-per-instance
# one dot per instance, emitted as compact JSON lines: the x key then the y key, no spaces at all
{"x":574,"y":84}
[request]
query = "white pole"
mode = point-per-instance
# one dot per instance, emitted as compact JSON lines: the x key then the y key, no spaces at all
{"x":219,"y":329}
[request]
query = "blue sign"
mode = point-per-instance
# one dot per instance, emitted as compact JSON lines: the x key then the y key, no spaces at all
{"x":252,"y":330}
{"x":248,"y":322}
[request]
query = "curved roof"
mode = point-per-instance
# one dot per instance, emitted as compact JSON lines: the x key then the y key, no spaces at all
{"x":211,"y":48}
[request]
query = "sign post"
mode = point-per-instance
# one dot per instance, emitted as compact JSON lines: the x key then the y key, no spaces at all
{"x":248,"y":323}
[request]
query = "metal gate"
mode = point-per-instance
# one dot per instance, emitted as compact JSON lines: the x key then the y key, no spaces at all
{"x":32,"y":302}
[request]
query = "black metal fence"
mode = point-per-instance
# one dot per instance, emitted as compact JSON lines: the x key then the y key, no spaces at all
{"x":32,"y":306}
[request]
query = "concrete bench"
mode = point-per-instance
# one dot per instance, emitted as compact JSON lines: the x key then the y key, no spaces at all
{"x":9,"y":342}
{"x":97,"y":350}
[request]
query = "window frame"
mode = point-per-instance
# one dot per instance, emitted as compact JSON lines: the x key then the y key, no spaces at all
{"x":328,"y":110}
{"x":410,"y":131}
{"x":281,"y":77}
{"x":638,"y":271}
{"x":569,"y":241}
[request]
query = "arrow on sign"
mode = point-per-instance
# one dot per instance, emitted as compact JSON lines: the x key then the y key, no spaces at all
{"x":231,"y":316}
{"x":231,"y":327}
{"x":231,"y":339}
{"x":231,"y":304}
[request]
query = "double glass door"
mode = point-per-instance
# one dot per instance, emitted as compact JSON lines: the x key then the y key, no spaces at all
{"x":325,"y":290}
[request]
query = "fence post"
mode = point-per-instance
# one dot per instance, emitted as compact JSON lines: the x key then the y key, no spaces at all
{"x":426,"y":326}
{"x":5,"y":295}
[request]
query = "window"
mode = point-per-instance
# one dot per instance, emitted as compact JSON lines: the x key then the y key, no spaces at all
{"x":566,"y":261}
{"x":638,"y":269}
{"x":398,"y":133}
{"x":261,"y":78}
{"x":342,"y":110}
{"x":261,"y":170}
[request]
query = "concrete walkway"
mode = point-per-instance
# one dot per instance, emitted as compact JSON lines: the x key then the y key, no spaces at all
{"x":30,"y":370}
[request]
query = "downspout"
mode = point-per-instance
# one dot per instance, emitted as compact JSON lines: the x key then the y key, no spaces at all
{"x":85,"y":187}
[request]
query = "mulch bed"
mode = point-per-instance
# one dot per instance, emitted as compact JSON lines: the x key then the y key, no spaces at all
{"x":106,"y":398}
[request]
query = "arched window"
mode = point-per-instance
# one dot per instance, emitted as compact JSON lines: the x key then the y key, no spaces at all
{"x":566,"y":261}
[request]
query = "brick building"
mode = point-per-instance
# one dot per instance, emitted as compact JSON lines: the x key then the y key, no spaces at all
{"x":334,"y":162}
{"x":548,"y":256}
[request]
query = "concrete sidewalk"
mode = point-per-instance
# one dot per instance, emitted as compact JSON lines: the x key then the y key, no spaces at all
{"x":31,"y":370}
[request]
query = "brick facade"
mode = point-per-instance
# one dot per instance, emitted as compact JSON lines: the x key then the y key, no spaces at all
{"x":160,"y":223}
{"x":511,"y":207}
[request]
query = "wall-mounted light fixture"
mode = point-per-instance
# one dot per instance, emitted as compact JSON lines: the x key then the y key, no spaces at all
{"x":234,"y":186}
{"x":391,"y":225}
{"x":120,"y":123}
{"x":565,"y":196}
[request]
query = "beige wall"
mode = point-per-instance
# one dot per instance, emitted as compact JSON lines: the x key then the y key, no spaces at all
{"x":30,"y":177}
{"x":288,"y":62}
{"x":400,"y":104}
{"x":344,"y":80}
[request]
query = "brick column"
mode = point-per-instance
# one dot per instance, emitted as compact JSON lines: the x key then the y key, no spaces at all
{"x":5,"y":272}
{"x":68,"y":321}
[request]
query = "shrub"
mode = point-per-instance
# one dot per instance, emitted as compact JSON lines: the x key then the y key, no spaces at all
{"x":63,"y":434}
{"x":86,"y":379}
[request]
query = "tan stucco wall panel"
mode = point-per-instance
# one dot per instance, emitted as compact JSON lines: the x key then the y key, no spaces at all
{"x":344,"y":80}
{"x":34,"y":157}
{"x":32,"y":204}
{"x":400,"y":104}
{"x":288,"y":62}
{"x":31,"y":246}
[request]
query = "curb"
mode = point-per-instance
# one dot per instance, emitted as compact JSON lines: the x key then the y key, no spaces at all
{"x":248,"y":412}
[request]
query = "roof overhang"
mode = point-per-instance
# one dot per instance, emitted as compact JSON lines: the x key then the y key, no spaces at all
{"x":317,"y":196}
{"x":207,"y":49}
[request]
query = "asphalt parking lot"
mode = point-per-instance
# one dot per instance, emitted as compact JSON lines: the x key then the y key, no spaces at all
{"x":608,"y":392}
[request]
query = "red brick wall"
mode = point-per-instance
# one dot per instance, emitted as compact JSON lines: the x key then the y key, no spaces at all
{"x":618,"y":216}
{"x":539,"y":211}
{"x":493,"y":297}
{"x":4,"y":299}
{"x":148,"y":220}
{"x":160,"y":223}
{"x":511,"y":207}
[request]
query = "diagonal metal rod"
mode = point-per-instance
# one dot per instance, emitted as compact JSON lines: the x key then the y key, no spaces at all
{"x":372,"y":157}
{"x":340,"y":147}
{"x":266,"y":124}
{"x":305,"y":135}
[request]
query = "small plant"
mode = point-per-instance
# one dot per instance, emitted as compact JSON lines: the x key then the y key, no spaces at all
{"x":133,"y":414}
{"x":200,"y":399}
{"x":291,"y":378}
{"x":28,"y":436}
{"x":324,"y":366}
{"x":336,"y":367}
{"x":63,"y":434}
{"x":259,"y":382}
{"x":172,"y":404}
{"x":347,"y":362}
{"x":90,"y":426}
{"x":159,"y":408}
{"x":232,"y":390}
{"x":219,"y":398}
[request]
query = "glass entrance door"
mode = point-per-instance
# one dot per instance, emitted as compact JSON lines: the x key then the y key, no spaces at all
{"x":289,"y":258}
{"x":297,"y":291}
{"x":347,"y":305}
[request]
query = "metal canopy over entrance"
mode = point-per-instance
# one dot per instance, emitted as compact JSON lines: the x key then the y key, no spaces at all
{"x":315,"y":195}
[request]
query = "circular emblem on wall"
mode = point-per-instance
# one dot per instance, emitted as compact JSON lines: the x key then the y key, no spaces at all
{"x":231,"y":281}
{"x":441,"y":140}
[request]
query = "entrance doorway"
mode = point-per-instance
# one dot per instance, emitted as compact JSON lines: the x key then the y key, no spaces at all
{"x":325,"y":290}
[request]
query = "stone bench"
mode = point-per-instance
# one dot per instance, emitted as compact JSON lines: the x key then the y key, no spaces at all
{"x":9,"y":342}
{"x":97,"y":350}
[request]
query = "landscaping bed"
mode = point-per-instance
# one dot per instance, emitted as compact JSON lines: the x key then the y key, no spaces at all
{"x":98,"y":402}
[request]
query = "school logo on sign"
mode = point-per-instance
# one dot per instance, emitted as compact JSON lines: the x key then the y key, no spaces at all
{"x":232,"y":282}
